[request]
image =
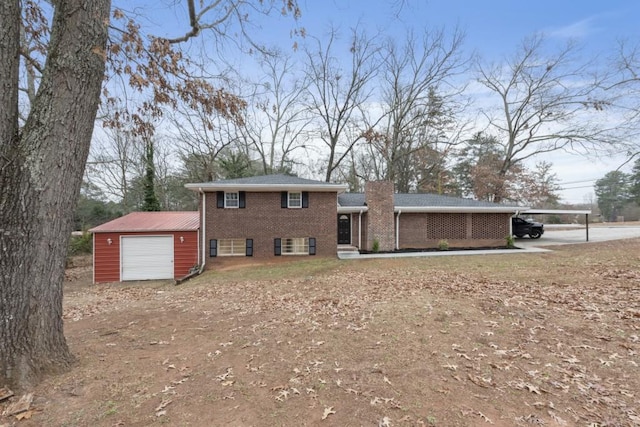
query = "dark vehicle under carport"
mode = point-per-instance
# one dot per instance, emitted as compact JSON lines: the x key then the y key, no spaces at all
{"x":522,"y":227}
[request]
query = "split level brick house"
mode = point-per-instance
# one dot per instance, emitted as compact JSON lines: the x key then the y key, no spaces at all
{"x":280,"y":215}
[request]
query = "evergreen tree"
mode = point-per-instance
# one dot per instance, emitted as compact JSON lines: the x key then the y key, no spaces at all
{"x":151,"y":202}
{"x":634,"y":182}
{"x":612,"y":192}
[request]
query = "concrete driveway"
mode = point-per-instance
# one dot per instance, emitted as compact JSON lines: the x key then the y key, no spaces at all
{"x":597,"y":233}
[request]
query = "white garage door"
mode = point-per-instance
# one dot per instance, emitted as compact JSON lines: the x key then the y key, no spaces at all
{"x":146,"y":257}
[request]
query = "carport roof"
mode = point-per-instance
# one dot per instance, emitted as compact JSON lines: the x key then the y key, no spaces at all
{"x":151,"y":221}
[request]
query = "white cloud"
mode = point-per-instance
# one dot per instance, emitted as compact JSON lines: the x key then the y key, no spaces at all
{"x":576,"y":30}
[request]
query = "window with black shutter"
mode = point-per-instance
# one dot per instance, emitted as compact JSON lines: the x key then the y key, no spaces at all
{"x":242,"y":200}
{"x":220,"y":199}
{"x":312,"y":245}
{"x":294,"y":199}
{"x":277,"y":247}
{"x":213,"y":247}
{"x":249,"y":250}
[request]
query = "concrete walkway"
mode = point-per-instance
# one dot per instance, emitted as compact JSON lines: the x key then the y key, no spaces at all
{"x":551,"y":237}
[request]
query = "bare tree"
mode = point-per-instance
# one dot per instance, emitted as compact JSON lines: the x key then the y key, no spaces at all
{"x":278,"y":116}
{"x":169,"y":181}
{"x":538,"y":187}
{"x":544,"y":103}
{"x":338,"y":93}
{"x":623,"y":85}
{"x":420,"y":105}
{"x":114,"y":160}
{"x":201,"y":137}
{"x":42,"y":162}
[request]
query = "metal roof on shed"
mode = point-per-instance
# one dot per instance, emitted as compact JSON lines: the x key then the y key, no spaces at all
{"x":151,"y":221}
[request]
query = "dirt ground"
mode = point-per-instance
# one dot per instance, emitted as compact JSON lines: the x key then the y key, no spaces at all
{"x":547,"y":339}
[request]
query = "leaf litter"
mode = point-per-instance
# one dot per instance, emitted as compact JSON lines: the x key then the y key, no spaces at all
{"x":395,"y":340}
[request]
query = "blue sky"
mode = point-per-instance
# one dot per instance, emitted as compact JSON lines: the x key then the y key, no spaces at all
{"x":493,"y":28}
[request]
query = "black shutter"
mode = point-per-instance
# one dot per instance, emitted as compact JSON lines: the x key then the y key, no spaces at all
{"x":242,"y":200}
{"x":213,"y":247}
{"x":220,"y":199}
{"x":277,"y":247}
{"x":305,"y":199}
{"x":284,"y":199}
{"x":312,"y":245}
{"x":249,"y":247}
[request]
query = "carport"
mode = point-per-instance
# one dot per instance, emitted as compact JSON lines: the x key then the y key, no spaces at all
{"x":585,"y":212}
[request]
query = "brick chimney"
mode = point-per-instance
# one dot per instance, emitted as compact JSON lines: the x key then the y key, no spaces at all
{"x":380,"y":217}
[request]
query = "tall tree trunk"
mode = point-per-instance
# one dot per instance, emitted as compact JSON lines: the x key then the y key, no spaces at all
{"x":41,"y":171}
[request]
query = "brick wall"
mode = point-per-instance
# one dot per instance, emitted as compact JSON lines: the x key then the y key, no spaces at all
{"x":355,"y":230}
{"x":380,"y":218}
{"x":422,"y":230}
{"x":491,"y":226}
{"x":263,"y":220}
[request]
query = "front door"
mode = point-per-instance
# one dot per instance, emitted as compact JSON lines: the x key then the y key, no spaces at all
{"x":344,"y":229}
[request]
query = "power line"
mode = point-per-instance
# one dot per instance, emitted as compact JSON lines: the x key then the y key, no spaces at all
{"x":575,"y":188}
{"x":578,"y":182}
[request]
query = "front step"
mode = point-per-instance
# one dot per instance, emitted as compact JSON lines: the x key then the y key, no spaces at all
{"x":347,"y":251}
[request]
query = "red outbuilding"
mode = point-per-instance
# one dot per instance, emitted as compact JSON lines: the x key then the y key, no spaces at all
{"x":146,"y":246}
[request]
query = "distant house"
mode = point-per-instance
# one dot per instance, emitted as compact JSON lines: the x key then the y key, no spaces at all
{"x":279,"y":215}
{"x":146,"y":246}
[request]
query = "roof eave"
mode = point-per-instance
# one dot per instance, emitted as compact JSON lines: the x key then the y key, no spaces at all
{"x":557,"y":211}
{"x":459,"y":209}
{"x":141,"y":230}
{"x":352,"y":209}
{"x":204,"y":187}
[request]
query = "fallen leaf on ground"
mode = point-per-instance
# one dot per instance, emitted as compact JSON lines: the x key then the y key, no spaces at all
{"x":328,"y":411}
{"x":21,"y":405}
{"x":5,"y":393}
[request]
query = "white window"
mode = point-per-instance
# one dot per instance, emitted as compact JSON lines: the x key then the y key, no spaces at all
{"x":232,"y":247}
{"x":294,"y":200}
{"x":231,"y":200}
{"x":295,"y":246}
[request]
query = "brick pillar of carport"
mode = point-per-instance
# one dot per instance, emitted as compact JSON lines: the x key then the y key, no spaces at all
{"x":380,"y":216}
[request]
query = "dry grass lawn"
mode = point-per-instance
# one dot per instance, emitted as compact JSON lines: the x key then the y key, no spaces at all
{"x":547,"y":339}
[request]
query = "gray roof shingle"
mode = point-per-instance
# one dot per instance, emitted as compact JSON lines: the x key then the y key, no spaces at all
{"x":279,"y":179}
{"x":419,"y":200}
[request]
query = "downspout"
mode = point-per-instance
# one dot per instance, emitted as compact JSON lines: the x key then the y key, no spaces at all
{"x":398,"y":229}
{"x":93,"y":255}
{"x":360,"y":230}
{"x":204,"y":247}
{"x":204,"y":229}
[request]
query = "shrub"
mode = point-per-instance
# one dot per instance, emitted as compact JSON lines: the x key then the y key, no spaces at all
{"x":81,"y":245}
{"x":510,"y":242}
{"x":443,"y":245}
{"x":376,"y":245}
